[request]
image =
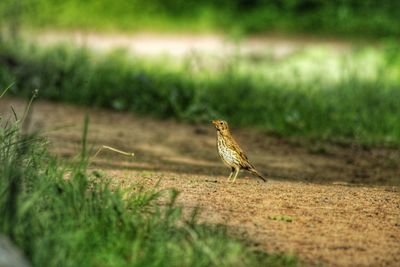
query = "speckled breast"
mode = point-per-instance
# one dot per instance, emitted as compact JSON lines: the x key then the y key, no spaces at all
{"x":227,"y":155}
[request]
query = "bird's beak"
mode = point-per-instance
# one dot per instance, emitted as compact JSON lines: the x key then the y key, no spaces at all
{"x":214,"y":122}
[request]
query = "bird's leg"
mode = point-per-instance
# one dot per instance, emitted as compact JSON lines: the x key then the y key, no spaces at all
{"x":230,"y":175}
{"x":236,"y":174}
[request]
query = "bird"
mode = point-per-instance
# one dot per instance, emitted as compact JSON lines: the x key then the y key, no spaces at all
{"x":231,"y":153}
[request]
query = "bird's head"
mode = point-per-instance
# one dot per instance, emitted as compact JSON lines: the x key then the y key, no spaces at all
{"x":220,"y":125}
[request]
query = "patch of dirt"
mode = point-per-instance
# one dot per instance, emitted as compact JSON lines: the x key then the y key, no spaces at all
{"x":330,"y":205}
{"x":179,"y":46}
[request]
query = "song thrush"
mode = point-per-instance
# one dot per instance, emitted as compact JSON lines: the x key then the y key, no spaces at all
{"x":230,"y":152}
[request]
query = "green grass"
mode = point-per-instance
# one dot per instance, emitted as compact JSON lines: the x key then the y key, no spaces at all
{"x":59,"y":215}
{"x":350,"y":109}
{"x":235,"y":16}
{"x":284,"y":218}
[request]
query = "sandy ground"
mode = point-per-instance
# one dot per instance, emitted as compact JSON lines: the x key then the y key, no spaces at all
{"x":180,"y":46}
{"x":329,"y":205}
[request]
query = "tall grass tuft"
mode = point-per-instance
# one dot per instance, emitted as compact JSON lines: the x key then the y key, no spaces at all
{"x":59,"y":215}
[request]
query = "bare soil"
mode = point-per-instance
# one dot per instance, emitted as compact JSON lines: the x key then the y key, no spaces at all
{"x":330,"y":205}
{"x":179,"y":46}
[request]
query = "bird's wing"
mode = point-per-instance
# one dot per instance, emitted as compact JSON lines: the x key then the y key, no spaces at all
{"x":232,"y":144}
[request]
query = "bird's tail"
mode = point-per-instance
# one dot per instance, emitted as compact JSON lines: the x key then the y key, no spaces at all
{"x":255,"y":172}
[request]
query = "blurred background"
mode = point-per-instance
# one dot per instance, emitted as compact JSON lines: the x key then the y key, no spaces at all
{"x":322,"y":70}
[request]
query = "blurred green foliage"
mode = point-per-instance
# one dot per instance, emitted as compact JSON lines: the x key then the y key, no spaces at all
{"x":345,"y":17}
{"x":349,"y":110}
{"x":59,"y":215}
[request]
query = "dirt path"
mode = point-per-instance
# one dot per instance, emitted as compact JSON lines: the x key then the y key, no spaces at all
{"x":330,"y":205}
{"x":179,"y":46}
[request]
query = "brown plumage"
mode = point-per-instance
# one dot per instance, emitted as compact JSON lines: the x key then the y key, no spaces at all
{"x":230,"y":152}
